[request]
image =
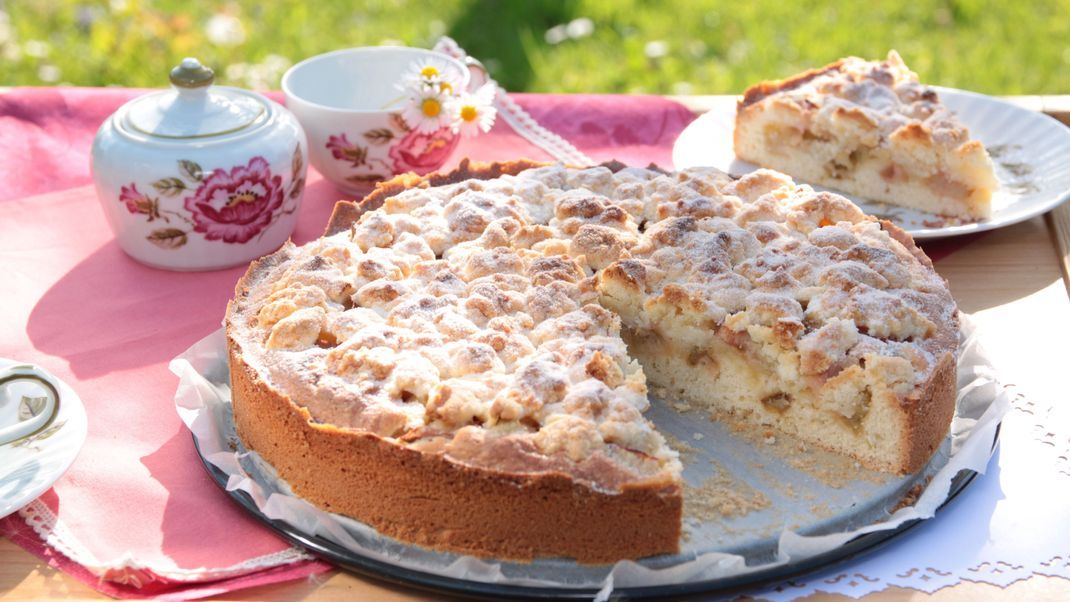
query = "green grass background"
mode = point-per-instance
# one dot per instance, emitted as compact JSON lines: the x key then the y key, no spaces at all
{"x":618,"y":46}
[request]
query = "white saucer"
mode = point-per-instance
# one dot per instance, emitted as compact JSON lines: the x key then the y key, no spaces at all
{"x":1029,"y":150}
{"x":29,"y":466}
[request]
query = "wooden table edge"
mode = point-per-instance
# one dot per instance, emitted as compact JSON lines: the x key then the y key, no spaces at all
{"x":1059,"y":222}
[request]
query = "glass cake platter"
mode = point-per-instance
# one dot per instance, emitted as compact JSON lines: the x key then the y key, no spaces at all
{"x":758,"y":507}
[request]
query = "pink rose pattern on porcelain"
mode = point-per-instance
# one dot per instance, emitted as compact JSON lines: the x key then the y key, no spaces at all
{"x":236,"y":206}
{"x":232,"y":206}
{"x":138,"y":202}
{"x":344,"y":150}
{"x":423,"y":153}
{"x":406,"y":150}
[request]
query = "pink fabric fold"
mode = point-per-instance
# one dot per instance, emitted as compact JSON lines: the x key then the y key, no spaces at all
{"x":137,"y":516}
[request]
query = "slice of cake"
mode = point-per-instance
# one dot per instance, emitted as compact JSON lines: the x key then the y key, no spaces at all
{"x":462,"y":360}
{"x":870,"y":129}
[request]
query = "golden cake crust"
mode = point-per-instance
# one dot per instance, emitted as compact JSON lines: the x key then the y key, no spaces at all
{"x":591,"y":513}
{"x":928,"y":415}
{"x":761,"y":90}
{"x":931,"y":411}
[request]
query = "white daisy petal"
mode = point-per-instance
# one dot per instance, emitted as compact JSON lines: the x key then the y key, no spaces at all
{"x":427,"y":110}
{"x":486,"y":93}
{"x":429,"y":73}
{"x":474,"y":113}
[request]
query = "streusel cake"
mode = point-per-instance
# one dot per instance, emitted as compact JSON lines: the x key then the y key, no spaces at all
{"x":867,"y":128}
{"x":462,"y":361}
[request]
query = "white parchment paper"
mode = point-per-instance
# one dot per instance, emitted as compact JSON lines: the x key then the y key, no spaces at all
{"x":787,"y":531}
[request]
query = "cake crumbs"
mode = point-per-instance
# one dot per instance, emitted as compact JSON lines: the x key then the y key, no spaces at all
{"x":661,"y":393}
{"x":911,"y":496}
{"x":687,"y":451}
{"x":831,"y":469}
{"x":833,"y":478}
{"x":735,"y":425}
{"x":773,"y":483}
{"x":769,"y":436}
{"x":820,"y":510}
{"x":721,"y":496}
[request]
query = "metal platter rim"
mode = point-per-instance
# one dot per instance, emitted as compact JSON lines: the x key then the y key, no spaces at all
{"x":351,"y":561}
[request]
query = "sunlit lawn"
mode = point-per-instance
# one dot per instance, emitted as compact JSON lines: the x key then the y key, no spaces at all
{"x":578,"y":46}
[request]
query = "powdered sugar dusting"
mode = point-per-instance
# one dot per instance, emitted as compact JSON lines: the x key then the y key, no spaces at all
{"x":467,"y":317}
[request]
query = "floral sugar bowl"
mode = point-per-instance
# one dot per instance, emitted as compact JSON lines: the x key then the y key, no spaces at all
{"x":200,"y":177}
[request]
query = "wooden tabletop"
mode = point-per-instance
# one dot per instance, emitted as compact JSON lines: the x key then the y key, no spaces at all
{"x":1013,"y":280}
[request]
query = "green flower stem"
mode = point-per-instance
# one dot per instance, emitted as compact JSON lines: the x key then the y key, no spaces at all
{"x":179,"y":216}
{"x":391,"y":102}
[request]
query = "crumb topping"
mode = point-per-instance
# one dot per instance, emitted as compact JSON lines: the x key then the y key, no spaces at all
{"x":868,"y":100}
{"x":483,"y":319}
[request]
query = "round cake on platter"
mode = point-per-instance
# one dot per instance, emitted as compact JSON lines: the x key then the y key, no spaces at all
{"x":463,"y":360}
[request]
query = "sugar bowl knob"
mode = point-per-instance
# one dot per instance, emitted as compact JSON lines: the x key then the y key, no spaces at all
{"x":190,"y":73}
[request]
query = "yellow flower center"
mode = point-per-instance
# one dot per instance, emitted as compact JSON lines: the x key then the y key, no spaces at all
{"x":429,"y":72}
{"x":431,"y":107}
{"x":244,"y":197}
{"x":445,"y":87}
{"x":469,"y":113}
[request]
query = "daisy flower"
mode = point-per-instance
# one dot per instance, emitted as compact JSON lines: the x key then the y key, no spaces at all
{"x":429,"y":73}
{"x":426,"y":110}
{"x":473,"y":113}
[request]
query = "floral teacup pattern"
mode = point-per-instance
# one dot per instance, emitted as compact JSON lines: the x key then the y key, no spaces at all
{"x":387,"y":151}
{"x":420,"y":136}
{"x":232,"y":206}
{"x":422,"y":153}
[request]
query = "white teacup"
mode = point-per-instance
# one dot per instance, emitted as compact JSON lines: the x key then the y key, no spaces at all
{"x":29,"y":401}
{"x":347,"y":104}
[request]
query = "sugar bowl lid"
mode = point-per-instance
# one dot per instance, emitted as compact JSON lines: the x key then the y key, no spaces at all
{"x":194,"y":108}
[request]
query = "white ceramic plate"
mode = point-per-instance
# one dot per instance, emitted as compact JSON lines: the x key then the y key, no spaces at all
{"x":1031,"y":152}
{"x":29,"y":466}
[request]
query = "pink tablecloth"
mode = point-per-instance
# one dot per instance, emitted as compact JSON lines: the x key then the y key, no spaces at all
{"x":137,"y":515}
